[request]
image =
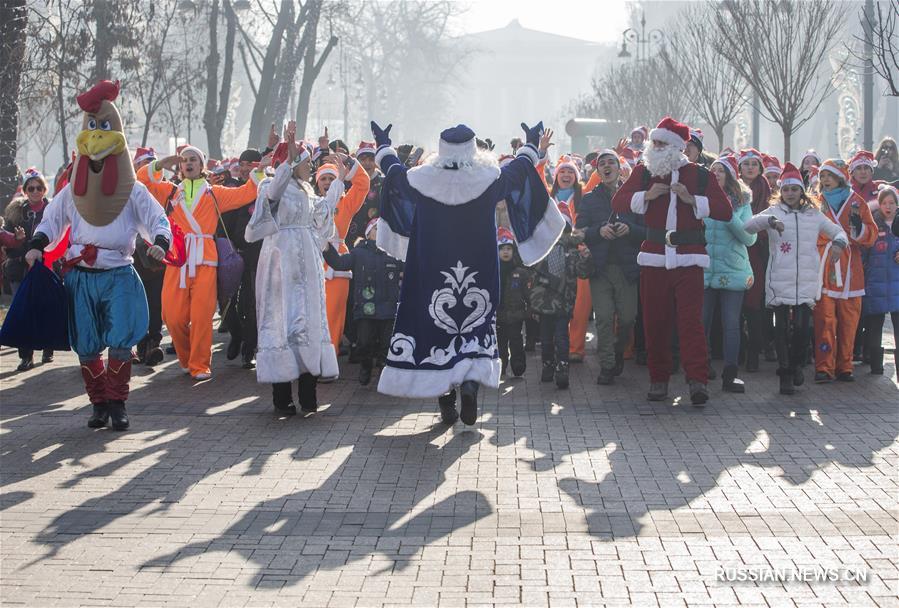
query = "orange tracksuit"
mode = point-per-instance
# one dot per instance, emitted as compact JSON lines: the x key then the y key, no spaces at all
{"x":337,"y":283}
{"x":842,"y":287}
{"x":583,"y":303}
{"x":189,"y":293}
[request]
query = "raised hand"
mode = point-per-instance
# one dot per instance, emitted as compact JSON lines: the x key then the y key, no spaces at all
{"x":323,"y":141}
{"x":382,"y":136}
{"x":533,"y":134}
{"x":545,"y":141}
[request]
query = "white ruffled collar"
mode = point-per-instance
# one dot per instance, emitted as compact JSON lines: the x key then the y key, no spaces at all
{"x":452,"y":186}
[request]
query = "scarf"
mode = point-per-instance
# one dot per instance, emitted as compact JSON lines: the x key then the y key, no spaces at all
{"x":836,"y":197}
{"x":564,"y":194}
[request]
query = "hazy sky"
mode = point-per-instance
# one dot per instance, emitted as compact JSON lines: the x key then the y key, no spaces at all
{"x":595,"y":20}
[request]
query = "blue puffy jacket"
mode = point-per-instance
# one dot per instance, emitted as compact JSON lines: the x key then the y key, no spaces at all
{"x":881,"y":271}
{"x":726,"y":244}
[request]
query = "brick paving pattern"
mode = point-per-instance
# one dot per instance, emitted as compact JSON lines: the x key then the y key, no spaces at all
{"x":586,"y":497}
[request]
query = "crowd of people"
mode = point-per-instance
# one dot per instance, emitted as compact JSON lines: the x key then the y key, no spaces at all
{"x":311,"y":251}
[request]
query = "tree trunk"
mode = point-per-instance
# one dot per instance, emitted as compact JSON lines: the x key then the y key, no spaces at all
{"x":786,"y":145}
{"x":210,"y":118}
{"x":258,"y":127}
{"x":719,"y":133}
{"x":13,"y":21}
{"x":311,"y":70}
{"x":104,"y":44}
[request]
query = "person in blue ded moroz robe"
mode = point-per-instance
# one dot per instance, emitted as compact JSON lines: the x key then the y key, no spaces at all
{"x":440,"y":219}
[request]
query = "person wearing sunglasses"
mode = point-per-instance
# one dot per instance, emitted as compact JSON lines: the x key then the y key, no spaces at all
{"x":887,"y":157}
{"x":25,"y":214}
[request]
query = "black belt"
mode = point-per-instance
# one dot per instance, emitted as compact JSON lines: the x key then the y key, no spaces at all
{"x":673,"y":238}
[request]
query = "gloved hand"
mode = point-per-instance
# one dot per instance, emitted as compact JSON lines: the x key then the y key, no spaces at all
{"x":382,"y":136}
{"x":532,"y":134}
{"x":776,"y":224}
{"x":156,"y":252}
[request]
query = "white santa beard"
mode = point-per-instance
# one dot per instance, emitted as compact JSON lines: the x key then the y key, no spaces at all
{"x":663,"y":162}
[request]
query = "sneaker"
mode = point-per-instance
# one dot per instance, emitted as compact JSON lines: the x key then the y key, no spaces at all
{"x":288,"y":410}
{"x":845,"y":377}
{"x":25,"y":365}
{"x":154,"y":356}
{"x":248,"y":362}
{"x":47,"y":356}
{"x":562,"y":374}
{"x":699,"y":393}
{"x":729,"y":381}
{"x":658,"y":391}
{"x":203,"y":376}
{"x":606,"y":376}
{"x":822,"y":378}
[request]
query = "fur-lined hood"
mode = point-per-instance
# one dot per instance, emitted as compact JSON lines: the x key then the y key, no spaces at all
{"x":14,"y":215}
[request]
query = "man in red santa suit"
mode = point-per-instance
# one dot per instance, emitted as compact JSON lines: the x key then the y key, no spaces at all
{"x":673,"y":195}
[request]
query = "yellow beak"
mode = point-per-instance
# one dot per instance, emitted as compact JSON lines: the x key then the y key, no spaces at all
{"x":97,"y":144}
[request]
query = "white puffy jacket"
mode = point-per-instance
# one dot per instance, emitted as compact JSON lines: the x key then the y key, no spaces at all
{"x":794,"y":264}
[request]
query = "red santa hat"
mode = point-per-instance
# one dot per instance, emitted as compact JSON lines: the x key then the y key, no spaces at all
{"x":729,"y":162}
{"x":811,"y":152}
{"x":567,"y":162}
{"x":671,"y":132}
{"x":642,"y":130}
{"x":790,"y":176}
{"x":366,"y":147}
{"x":105,"y":90}
{"x":326,"y":169}
{"x":372,"y":223}
{"x":142,"y":154}
{"x":862,"y":158}
{"x":280,"y":154}
{"x":771,"y":164}
{"x":31,"y":173}
{"x":504,"y":236}
{"x":749,"y":153}
{"x":837,"y":167}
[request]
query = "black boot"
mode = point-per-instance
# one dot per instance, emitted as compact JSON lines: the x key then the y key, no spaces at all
{"x":798,"y":376}
{"x":154,"y":354}
{"x":562,"y":374}
{"x":99,"y":417}
{"x":117,"y":415}
{"x":282,"y":399}
{"x":549,"y":370}
{"x":786,"y":382}
{"x":699,"y":393}
{"x":875,"y":358}
{"x":518,"y":365}
{"x":365,"y":374}
{"x":469,"y":394}
{"x":307,"y":393}
{"x":233,"y":349}
{"x":619,"y":364}
{"x":729,"y":381}
{"x":447,"y":403}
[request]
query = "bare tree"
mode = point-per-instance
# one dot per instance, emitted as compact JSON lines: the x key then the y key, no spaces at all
{"x":884,"y":43}
{"x":638,"y":93}
{"x":13,"y":25}
{"x":715,"y":88}
{"x":216,"y":111}
{"x":780,"y":48}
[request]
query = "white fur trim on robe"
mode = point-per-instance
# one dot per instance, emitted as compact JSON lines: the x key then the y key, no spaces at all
{"x":422,"y":384}
{"x":394,"y":244}
{"x":452,"y":186}
{"x":545,"y":235}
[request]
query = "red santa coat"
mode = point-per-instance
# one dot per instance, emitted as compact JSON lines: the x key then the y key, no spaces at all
{"x":667,"y":212}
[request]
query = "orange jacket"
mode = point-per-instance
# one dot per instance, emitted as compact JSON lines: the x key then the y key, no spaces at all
{"x":199,"y":224}
{"x":845,"y":278}
{"x":347,"y":207}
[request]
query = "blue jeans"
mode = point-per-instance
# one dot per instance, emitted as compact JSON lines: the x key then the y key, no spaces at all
{"x":731,"y":303}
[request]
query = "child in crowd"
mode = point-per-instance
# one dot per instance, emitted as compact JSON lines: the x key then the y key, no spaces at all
{"x":881,"y":264}
{"x":553,"y":296}
{"x":376,"y":291}
{"x":513,"y":310}
{"x":793,"y":279}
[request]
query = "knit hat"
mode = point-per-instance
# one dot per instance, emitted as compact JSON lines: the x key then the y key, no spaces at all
{"x":326,"y":169}
{"x":567,"y":162}
{"x":748,"y":153}
{"x":366,"y":147}
{"x":672,"y":133}
{"x":886,"y":189}
{"x":504,"y":236}
{"x":607,"y":152}
{"x":371,"y":224}
{"x":143,"y":154}
{"x":811,"y":152}
{"x":790,"y":176}
{"x":641,"y":130}
{"x":195,"y":150}
{"x":837,"y":167}
{"x":862,"y":158}
{"x":729,"y":162}
{"x":771,"y":164}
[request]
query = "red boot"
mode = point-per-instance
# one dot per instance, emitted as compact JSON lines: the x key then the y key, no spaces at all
{"x":118,"y":374}
{"x":94,"y":374}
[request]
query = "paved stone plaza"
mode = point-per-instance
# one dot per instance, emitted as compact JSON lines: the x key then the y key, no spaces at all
{"x":585,"y":497}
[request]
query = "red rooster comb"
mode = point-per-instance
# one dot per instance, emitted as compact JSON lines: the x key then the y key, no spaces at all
{"x":90,"y":100}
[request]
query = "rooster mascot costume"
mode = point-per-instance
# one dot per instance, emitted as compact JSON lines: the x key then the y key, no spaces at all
{"x":106,"y":210}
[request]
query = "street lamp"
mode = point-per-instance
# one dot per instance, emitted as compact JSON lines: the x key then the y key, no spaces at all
{"x":643,"y":40}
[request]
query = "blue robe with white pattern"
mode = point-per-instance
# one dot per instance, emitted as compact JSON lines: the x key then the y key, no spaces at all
{"x":445,"y":329}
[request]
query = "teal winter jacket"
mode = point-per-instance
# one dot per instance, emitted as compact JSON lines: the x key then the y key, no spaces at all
{"x":726,"y":243}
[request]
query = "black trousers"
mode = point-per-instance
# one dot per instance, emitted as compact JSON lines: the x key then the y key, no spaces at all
{"x":874,"y":337}
{"x":241,"y":316}
{"x":554,"y":338}
{"x":282,"y":392}
{"x":372,"y":339}
{"x":509,"y":339}
{"x":792,"y":328}
{"x":757,"y":329}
